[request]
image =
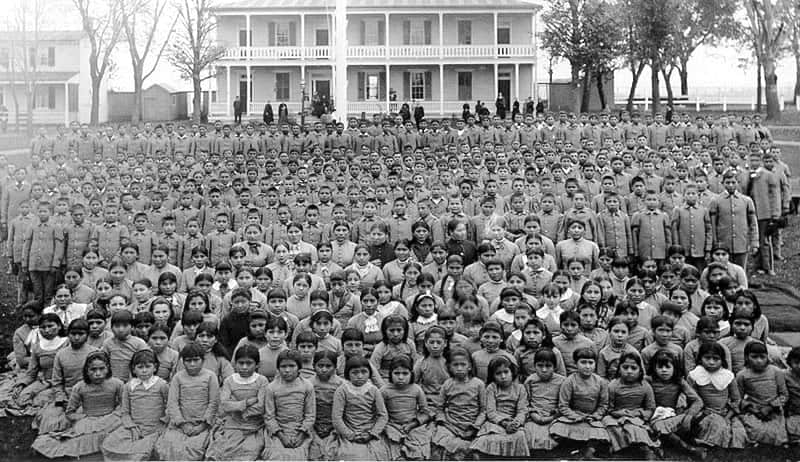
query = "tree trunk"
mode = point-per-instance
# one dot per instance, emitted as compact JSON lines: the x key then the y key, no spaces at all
{"x":636,"y":73}
{"x":683,"y":71}
{"x":667,"y":81}
{"x":655,"y":68}
{"x":796,"y":51}
{"x":197,"y":96}
{"x":758,"y":84}
{"x":30,"y":95}
{"x":771,"y":90}
{"x":575,"y":71}
{"x":94,"y":119}
{"x":586,"y":97}
{"x":600,"y":92}
{"x":138,"y":97}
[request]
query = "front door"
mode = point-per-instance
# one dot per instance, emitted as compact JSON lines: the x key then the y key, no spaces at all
{"x":243,"y":96}
{"x":323,"y":89}
{"x":504,"y":87}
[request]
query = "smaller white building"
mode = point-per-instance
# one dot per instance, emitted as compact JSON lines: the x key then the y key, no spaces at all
{"x":57,"y":63}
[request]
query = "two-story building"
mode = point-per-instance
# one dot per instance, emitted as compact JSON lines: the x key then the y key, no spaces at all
{"x":57,"y":64}
{"x":438,"y":53}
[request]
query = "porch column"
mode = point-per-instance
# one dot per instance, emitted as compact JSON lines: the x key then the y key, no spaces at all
{"x":441,"y":35}
{"x":249,"y":33}
{"x":388,"y":88}
{"x":66,"y":104}
{"x":516,"y":82}
{"x":386,"y":34}
{"x":441,"y":89}
{"x":303,"y":33}
{"x":247,"y":96}
{"x":496,"y":89}
{"x":535,"y":66}
{"x":228,"y":91}
{"x":494,"y":34}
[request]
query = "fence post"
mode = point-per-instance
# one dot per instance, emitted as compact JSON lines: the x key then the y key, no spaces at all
{"x":697,"y":104}
{"x":724,"y":104}
{"x":781,"y":102}
{"x":797,"y":103}
{"x":646,"y":100}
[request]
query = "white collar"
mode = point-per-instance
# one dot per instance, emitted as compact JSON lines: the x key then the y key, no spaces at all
{"x":720,"y":379}
{"x":148,"y":384}
{"x":425,"y":321}
{"x":245,"y":381}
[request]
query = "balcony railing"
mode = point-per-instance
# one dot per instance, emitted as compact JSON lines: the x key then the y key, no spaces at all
{"x":372,"y":52}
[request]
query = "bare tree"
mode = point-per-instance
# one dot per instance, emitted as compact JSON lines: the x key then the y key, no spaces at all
{"x":193,"y":48}
{"x":768,"y":31}
{"x":25,"y":21}
{"x":142,"y":31}
{"x":102,"y":22}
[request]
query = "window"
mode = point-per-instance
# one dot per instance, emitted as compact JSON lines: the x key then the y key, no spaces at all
{"x":282,"y":34}
{"x":243,"y":37}
{"x":322,"y":37}
{"x":464,"y":86}
{"x":213,"y":96}
{"x":51,"y":56}
{"x":45,"y":97}
{"x":373,"y":87}
{"x":174,"y":100}
{"x":504,"y":33}
{"x":73,"y":97}
{"x":417,"y":32}
{"x":282,"y":86}
{"x":32,"y":56}
{"x":465,"y":32}
{"x":418,"y":85}
{"x":5,"y":57}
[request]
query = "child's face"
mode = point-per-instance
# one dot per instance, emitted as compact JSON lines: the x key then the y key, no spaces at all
{"x":275,"y":337}
{"x":161,"y":312}
{"x":712,"y":362}
{"x":322,"y":327}
{"x":306,"y":350}
{"x":324,"y":369}
{"x":680,"y":298}
{"x":669,"y":279}
{"x":395,"y":333}
{"x":245,"y":367}
{"x":662,"y":334}
{"x":503,"y":376}
{"x":141,"y":329}
{"x":206,"y":340}
{"x":190,"y":330}
{"x":495,"y":272}
{"x":359,"y":375}
{"x":353,"y":348}
{"x":586,"y":366}
{"x":521,"y":318}
{"x":629,"y":371}
{"x":636,"y":293}
{"x":618,"y":334}
{"x":97,"y":371}
{"x":490,"y":340}
{"x":193,"y":365}
{"x":588,"y":319}
{"x":533,"y":336}
{"x":353,"y":282}
{"x":742,"y":328}
{"x":90,"y":260}
{"x":758,"y":361}
{"x":78,"y":338}
{"x":121,"y":330}
{"x":460,"y":367}
{"x":435,"y":344}
{"x":257,"y":328}
{"x":277,"y":305}
{"x":575,"y":269}
{"x":116,"y":304}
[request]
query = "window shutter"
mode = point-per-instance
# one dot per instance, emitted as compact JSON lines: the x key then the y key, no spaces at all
{"x":292,"y":34}
{"x":242,"y":38}
{"x":361,"y":84}
{"x":427,"y":25}
{"x":381,"y":32}
{"x":272,"y":34}
{"x":428,"y":77}
{"x":51,"y":97}
{"x":51,"y":56}
{"x":362,"y":33}
{"x":406,"y":32}
{"x":381,"y":85}
{"x":407,"y":85}
{"x":32,"y":56}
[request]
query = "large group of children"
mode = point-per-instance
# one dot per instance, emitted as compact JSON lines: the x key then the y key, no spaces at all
{"x":396,"y":290}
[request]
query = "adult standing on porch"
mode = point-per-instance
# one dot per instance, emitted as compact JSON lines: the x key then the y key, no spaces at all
{"x":269,"y":116}
{"x":237,"y":110}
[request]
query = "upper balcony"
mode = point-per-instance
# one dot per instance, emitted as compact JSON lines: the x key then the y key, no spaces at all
{"x":374,"y":53}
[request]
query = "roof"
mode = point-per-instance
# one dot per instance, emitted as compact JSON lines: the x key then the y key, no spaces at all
{"x":227,"y":5}
{"x":41,"y":77}
{"x":43,"y":35}
{"x":168,"y":87}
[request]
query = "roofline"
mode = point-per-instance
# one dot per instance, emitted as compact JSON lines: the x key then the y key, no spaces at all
{"x":524,"y":5}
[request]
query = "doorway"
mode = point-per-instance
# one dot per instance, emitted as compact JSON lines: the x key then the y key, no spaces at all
{"x":504,"y":87}
{"x":323,"y":89}
{"x":243,"y":97}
